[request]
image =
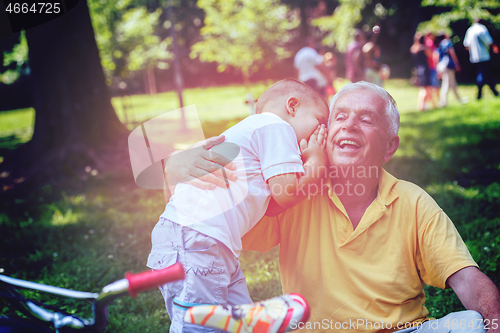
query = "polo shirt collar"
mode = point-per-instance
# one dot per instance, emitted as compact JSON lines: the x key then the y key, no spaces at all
{"x":385,"y":196}
{"x":378,"y":208}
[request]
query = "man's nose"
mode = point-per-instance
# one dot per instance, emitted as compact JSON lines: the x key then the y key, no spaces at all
{"x":351,"y":124}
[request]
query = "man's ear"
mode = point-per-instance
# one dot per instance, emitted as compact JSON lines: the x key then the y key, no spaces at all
{"x":291,"y":105}
{"x":392,"y":146}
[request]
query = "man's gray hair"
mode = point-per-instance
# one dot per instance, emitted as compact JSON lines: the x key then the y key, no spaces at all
{"x":391,"y":111}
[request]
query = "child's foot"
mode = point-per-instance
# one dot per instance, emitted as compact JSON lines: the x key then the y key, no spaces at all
{"x":275,"y":315}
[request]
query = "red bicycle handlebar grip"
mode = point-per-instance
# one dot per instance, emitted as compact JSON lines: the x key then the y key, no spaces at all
{"x":139,"y":282}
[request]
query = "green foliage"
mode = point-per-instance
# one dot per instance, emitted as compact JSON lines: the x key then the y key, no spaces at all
{"x":460,"y":10}
{"x":339,"y":27}
{"x":126,"y":36}
{"x":16,"y":127}
{"x":19,"y":56}
{"x":244,"y":34}
{"x":135,"y":32}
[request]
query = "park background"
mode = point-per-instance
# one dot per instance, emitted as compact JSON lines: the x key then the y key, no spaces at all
{"x":72,"y":89}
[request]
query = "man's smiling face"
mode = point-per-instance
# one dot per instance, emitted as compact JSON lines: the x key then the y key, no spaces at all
{"x":358,"y":132}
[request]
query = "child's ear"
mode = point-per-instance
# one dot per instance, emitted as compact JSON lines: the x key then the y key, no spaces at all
{"x":291,"y":105}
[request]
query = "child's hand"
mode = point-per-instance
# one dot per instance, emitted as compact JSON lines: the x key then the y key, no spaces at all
{"x":313,"y":152}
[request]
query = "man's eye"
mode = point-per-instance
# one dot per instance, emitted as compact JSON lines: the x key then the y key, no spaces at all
{"x":340,"y":117}
{"x":366,"y":120}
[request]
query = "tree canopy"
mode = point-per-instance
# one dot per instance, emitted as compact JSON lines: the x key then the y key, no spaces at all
{"x":125,"y":33}
{"x":16,"y":60}
{"x":134,"y":36}
{"x":245,"y":34}
{"x":456,"y":10}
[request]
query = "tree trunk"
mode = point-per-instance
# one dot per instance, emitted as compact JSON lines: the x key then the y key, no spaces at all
{"x":75,"y":121}
{"x":304,"y":25}
{"x":151,"y":81}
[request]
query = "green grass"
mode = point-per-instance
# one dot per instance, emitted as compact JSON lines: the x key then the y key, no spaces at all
{"x":406,"y":94}
{"x":16,"y":127}
{"x":212,"y":104}
{"x":448,"y":143}
{"x":87,"y":237}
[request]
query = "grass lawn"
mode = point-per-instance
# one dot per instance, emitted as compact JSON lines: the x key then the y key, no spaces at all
{"x":16,"y":127}
{"x":89,"y":237}
{"x":214,"y":104}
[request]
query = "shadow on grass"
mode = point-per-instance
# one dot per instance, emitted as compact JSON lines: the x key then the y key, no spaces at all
{"x":10,"y":142}
{"x":84,"y":240}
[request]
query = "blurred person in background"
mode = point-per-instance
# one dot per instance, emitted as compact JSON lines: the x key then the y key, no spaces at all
{"x":371,"y":57}
{"x":420,"y":54}
{"x":447,"y":65}
{"x":311,"y":69}
{"x":430,"y":43}
{"x":354,"y":64}
{"x":330,"y":63}
{"x":478,"y":41}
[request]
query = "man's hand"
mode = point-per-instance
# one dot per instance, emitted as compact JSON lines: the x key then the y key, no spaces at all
{"x":313,"y":152}
{"x":196,"y":165}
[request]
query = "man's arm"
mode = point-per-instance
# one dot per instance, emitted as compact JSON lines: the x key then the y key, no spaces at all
{"x":477,"y":292}
{"x":195,"y":165}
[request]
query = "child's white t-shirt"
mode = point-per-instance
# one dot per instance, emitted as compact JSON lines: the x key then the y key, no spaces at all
{"x":267,"y":148}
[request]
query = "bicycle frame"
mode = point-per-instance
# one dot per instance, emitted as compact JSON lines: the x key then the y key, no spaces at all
{"x":59,"y":321}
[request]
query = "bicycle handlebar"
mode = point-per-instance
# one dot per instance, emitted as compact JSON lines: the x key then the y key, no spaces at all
{"x":151,"y":279}
{"x":132,"y":283}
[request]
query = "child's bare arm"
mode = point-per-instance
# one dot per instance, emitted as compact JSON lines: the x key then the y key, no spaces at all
{"x":287,"y":190}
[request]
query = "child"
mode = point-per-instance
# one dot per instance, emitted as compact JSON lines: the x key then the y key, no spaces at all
{"x":202,"y":229}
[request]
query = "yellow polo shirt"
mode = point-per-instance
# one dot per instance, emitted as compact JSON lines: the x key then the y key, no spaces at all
{"x":370,"y":279}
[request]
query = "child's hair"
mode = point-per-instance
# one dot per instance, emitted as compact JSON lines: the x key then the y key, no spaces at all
{"x":287,"y":88}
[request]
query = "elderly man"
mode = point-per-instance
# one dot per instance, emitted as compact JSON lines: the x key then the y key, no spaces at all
{"x":362,"y":251}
